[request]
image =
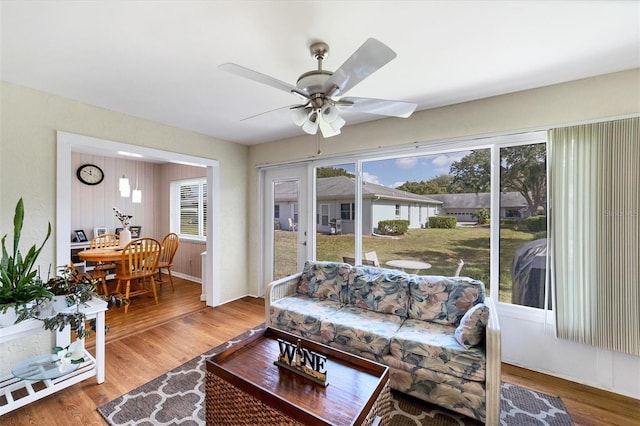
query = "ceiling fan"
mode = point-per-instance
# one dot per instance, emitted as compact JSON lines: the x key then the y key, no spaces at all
{"x":323,"y":91}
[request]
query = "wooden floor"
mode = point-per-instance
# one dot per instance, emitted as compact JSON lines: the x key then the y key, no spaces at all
{"x":153,"y":339}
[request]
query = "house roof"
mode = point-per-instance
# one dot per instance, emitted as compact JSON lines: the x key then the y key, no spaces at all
{"x":343,"y":187}
{"x":480,"y":200}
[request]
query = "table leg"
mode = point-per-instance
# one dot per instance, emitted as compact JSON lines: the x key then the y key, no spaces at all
{"x":100,"y":346}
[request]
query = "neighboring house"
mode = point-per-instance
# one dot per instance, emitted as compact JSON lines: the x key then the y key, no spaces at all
{"x":462,"y":206}
{"x":336,"y":205}
{"x":286,"y":204}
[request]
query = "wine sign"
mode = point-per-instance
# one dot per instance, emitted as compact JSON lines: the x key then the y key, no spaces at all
{"x":302,"y":361}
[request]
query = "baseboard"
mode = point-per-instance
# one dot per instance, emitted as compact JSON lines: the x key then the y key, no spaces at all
{"x":186,"y":277}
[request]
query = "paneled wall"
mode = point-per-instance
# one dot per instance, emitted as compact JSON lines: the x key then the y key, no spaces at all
{"x":92,"y":205}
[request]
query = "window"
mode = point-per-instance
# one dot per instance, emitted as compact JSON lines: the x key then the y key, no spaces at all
{"x":347,"y":211}
{"x":523,"y":225}
{"x":397,"y":210}
{"x":276,"y":211}
{"x":189,"y":208}
{"x":323,"y":215}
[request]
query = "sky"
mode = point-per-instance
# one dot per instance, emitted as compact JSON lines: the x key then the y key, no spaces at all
{"x":395,"y":172}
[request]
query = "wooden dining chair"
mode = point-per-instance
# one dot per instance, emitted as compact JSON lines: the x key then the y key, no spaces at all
{"x":169,"y":248}
{"x":372,"y":256}
{"x":352,"y":261}
{"x":138,"y":263}
{"x":100,"y":270}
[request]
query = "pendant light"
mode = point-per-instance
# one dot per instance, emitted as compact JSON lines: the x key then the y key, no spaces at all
{"x":136,"y":196}
{"x":123,"y":186}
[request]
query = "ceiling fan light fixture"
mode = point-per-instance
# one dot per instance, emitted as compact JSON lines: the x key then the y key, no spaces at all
{"x":329,"y":112}
{"x":311,"y":125}
{"x":299,"y":116}
{"x":327,"y":129}
{"x":338,"y":123}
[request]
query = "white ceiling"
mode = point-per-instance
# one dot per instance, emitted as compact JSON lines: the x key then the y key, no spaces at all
{"x":158,"y":59}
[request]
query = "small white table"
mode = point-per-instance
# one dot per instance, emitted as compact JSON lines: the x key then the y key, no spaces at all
{"x":92,"y":367}
{"x":409,"y":264}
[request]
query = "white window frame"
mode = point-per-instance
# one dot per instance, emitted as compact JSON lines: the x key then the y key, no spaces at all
{"x":174,"y":203}
{"x":321,"y":214}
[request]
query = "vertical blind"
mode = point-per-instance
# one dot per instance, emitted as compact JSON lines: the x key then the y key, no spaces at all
{"x":595,"y":233}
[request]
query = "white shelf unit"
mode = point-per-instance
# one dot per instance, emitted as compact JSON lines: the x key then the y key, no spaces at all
{"x":11,"y":386}
{"x":80,"y":265}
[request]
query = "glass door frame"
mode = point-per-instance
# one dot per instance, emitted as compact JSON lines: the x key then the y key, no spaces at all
{"x":268,"y":177}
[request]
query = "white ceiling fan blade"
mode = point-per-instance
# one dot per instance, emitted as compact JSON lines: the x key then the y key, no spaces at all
{"x":377,"y":106}
{"x":241,"y":71}
{"x":369,"y":58}
{"x":281,"y":109}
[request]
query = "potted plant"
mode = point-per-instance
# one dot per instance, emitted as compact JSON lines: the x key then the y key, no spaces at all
{"x":19,"y":284}
{"x":74,"y":289}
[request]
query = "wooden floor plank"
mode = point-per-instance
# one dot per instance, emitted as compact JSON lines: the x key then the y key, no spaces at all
{"x":153,"y":339}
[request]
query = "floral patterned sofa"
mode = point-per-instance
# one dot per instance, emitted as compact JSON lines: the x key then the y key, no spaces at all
{"x":439,"y":336}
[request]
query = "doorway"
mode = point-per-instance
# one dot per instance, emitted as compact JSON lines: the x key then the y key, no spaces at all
{"x":69,"y":142}
{"x":285,"y":222}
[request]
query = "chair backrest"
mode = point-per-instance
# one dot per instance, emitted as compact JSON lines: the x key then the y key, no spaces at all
{"x":105,"y":240}
{"x":459,"y":268}
{"x":352,"y":261}
{"x":373,"y":256}
{"x":169,"y":244}
{"x":140,"y":257}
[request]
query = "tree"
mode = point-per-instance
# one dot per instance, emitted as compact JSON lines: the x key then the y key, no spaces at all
{"x":436,"y":185}
{"x":472,"y":173}
{"x":323,"y":172}
{"x":522,"y":169}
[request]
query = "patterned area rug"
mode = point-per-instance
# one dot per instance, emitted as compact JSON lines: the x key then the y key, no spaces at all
{"x":177,"y":397}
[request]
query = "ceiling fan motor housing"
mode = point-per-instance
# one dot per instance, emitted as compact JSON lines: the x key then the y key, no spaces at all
{"x":312,"y":82}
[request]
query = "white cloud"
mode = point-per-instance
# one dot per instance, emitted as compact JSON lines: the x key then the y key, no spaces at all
{"x":397,"y":184}
{"x":441,"y":160}
{"x":367,"y":177}
{"x":406,"y":162}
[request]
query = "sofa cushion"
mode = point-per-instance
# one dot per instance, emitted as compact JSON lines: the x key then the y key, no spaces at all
{"x":325,"y":280}
{"x":463,"y":396}
{"x":472,"y":326}
{"x":441,"y":299}
{"x":379,"y":290}
{"x":302,"y":313}
{"x":431,"y":345}
{"x":360,"y":329}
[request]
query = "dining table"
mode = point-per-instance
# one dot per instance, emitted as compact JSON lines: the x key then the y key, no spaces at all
{"x":413,"y":265}
{"x":101,"y":255}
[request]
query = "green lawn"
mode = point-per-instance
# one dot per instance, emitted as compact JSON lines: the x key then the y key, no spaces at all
{"x":442,"y":248}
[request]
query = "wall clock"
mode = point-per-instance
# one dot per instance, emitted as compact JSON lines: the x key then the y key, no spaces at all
{"x":90,"y":174}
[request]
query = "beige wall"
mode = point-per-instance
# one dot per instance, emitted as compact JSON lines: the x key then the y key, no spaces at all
{"x":29,"y":120}
{"x":539,"y":109}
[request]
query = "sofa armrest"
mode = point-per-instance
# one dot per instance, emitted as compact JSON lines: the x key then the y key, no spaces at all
{"x":277,"y":290}
{"x":494,"y":364}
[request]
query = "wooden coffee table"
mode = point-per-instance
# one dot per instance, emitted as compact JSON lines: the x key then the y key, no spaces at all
{"x":243,"y":386}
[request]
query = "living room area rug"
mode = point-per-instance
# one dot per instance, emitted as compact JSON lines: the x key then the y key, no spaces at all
{"x":178,"y":397}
